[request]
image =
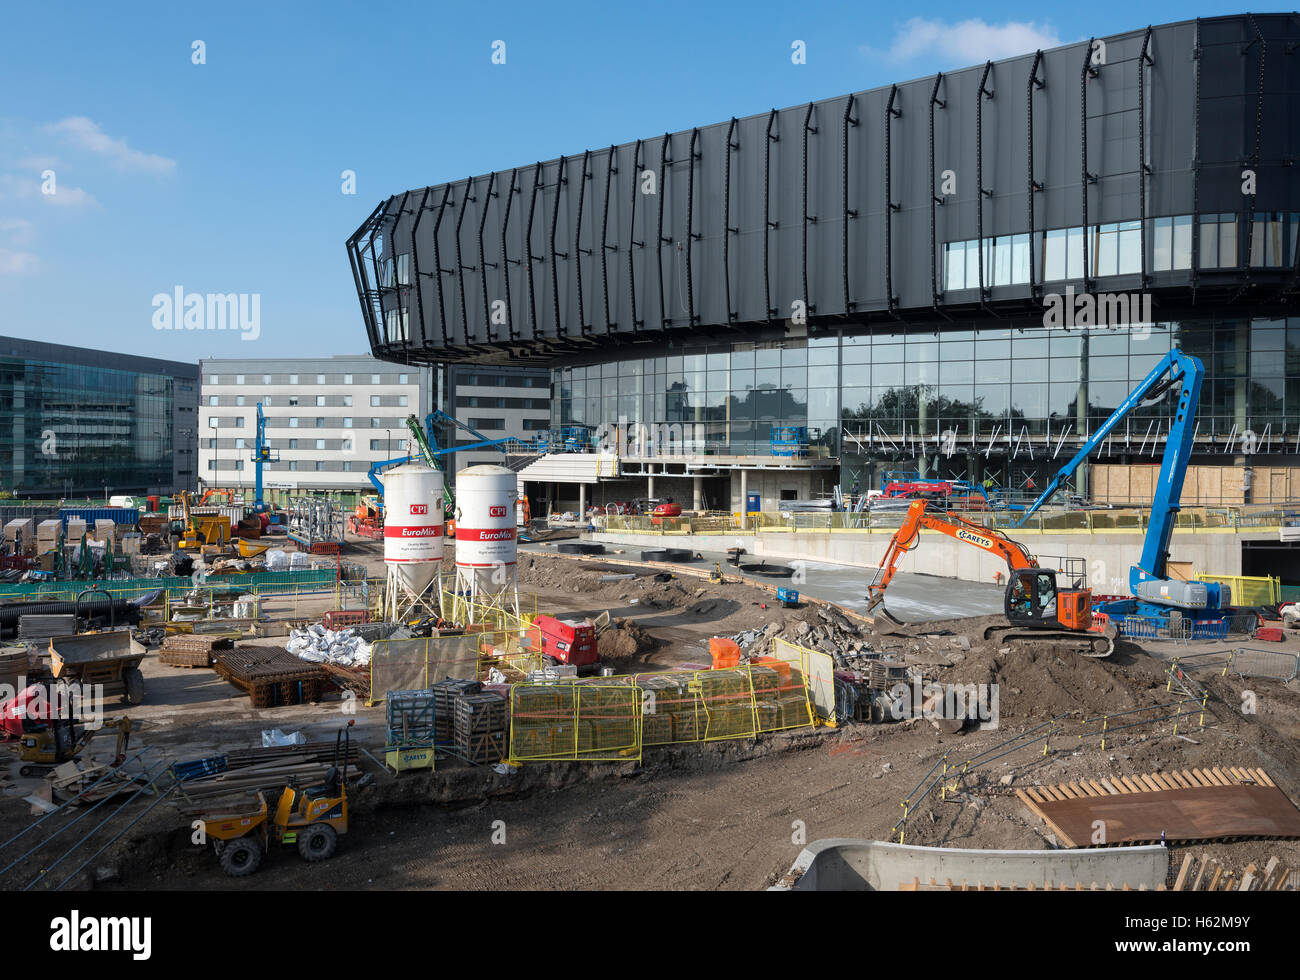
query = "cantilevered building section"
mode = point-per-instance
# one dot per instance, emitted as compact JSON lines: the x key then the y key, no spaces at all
{"x":933,"y":219}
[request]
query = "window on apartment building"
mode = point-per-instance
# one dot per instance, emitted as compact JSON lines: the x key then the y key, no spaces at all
{"x":376,"y":445}
{"x":293,"y":464}
{"x":532,"y":424}
{"x":293,"y":443}
{"x":320,"y":422}
{"x":293,"y":379}
{"x":212,"y":464}
{"x":347,"y":379}
{"x":320,"y":443}
{"x":374,"y":379}
{"x":320,"y":401}
{"x":239,"y":399}
{"x":239,"y":379}
{"x":347,"y":466}
{"x":266,"y":379}
{"x":293,"y":401}
{"x":347,"y":401}
{"x":487,"y":423}
{"x":212,"y":400}
{"x":347,"y":422}
{"x":375,"y":400}
{"x":293,"y":421}
{"x":212,"y":444}
{"x":320,"y":379}
{"x":401,"y":400}
{"x":320,"y":467}
{"x":213,"y":379}
{"x":239,"y":422}
{"x":403,"y":379}
{"x":239,"y":444}
{"x":346,"y":445}
{"x":376,"y":423}
{"x":266,"y":400}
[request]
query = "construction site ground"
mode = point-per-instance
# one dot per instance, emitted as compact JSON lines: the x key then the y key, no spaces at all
{"x":699,"y":816}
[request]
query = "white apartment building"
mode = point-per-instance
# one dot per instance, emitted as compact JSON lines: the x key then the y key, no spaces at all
{"x":327,"y":418}
{"x":499,"y":402}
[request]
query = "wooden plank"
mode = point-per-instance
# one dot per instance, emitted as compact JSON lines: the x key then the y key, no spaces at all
{"x":1111,"y":787}
{"x":1179,"y":781}
{"x":1225,"y":778}
{"x":1184,"y":872}
{"x":1262,"y":777}
{"x":1133,"y":786}
{"x":1270,"y":870}
{"x":1204,"y":813}
{"x":1202,"y":778}
{"x":1214,"y":882}
{"x":1205,"y":863}
{"x":1098,"y":790}
{"x":1065,"y":791}
{"x":1150,"y":784}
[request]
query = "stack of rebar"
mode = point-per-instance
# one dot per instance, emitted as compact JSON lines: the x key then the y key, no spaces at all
{"x":188,"y":650}
{"x":271,"y":676}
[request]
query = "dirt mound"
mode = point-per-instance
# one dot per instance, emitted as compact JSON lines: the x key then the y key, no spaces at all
{"x":624,"y":641}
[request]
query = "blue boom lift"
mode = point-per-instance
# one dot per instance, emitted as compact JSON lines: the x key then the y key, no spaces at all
{"x":262,"y":454}
{"x":1155,"y":594}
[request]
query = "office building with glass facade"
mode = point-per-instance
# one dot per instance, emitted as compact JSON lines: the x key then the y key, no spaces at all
{"x":961,"y":275}
{"x":76,"y":422}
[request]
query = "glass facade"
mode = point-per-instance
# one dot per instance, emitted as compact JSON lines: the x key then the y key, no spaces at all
{"x":72,"y":429}
{"x":886,"y":391}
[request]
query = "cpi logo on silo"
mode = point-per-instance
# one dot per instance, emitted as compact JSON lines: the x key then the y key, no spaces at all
{"x":497,"y":510}
{"x":419,"y":508}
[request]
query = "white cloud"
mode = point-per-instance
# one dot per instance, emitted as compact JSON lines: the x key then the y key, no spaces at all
{"x":86,"y":134}
{"x":967,"y":42}
{"x":27,"y":189}
{"x":16,"y":231}
{"x":17,"y":263}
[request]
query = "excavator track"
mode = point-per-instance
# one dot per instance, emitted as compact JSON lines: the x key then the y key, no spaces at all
{"x":1096,"y":645}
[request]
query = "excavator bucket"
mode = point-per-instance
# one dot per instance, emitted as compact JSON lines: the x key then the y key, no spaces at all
{"x":883,"y":621}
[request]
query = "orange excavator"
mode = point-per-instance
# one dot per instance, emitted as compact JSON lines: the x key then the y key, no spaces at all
{"x":1038,"y":614}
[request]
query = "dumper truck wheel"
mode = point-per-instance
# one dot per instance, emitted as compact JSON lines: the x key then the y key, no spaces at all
{"x":134,"y":681}
{"x":317,"y":842}
{"x":240,"y":857}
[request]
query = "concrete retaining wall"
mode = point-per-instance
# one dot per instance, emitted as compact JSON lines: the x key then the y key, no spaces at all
{"x":849,"y":864}
{"x":1108,"y":554}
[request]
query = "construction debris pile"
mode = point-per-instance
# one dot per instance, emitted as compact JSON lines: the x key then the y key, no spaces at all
{"x":822,"y":629}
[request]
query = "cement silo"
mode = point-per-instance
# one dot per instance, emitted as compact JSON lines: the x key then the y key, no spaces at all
{"x":487,"y":546}
{"x":413,"y":540}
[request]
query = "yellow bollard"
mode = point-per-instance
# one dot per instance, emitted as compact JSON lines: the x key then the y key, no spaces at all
{"x":1105,"y":721}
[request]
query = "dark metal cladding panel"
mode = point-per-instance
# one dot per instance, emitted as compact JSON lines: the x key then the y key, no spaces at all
{"x":669,"y":244}
{"x":866,"y":184}
{"x":1171,"y":120}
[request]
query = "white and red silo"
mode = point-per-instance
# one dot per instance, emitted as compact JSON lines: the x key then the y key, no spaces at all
{"x":487,"y":545}
{"x":414,"y":543}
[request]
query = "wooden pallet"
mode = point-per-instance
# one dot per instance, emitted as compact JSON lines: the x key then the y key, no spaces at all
{"x":1186,"y":806}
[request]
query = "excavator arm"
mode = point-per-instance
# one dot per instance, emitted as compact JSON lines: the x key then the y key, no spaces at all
{"x":909,"y":533}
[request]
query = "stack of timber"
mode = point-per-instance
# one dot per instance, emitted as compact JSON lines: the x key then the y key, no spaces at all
{"x":354,"y":679}
{"x":267,"y":770}
{"x":272,"y":677}
{"x":1191,"y":805}
{"x":1207,"y":874}
{"x":182,"y":650}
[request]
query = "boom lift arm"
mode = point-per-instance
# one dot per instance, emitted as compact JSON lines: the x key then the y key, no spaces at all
{"x":1149,"y":580}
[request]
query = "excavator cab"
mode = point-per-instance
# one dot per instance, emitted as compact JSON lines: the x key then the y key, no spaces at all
{"x":1034,"y":600}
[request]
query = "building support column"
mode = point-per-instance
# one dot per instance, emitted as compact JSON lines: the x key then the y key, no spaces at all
{"x":697,"y":493}
{"x":650,"y":481}
{"x":582,"y":500}
{"x":744,"y":494}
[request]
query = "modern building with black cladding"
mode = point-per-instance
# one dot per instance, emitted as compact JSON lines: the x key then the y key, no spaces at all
{"x":961,"y":274}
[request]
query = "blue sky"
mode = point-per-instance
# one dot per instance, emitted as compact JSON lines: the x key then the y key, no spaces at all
{"x":224,"y":177}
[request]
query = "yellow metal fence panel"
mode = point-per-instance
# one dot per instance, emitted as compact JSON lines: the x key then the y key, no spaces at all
{"x":572,"y":721}
{"x":818,"y":670}
{"x":1248,"y":590}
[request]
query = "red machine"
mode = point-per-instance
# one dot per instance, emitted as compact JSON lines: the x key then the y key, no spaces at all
{"x":667,"y":510}
{"x":566,"y":641}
